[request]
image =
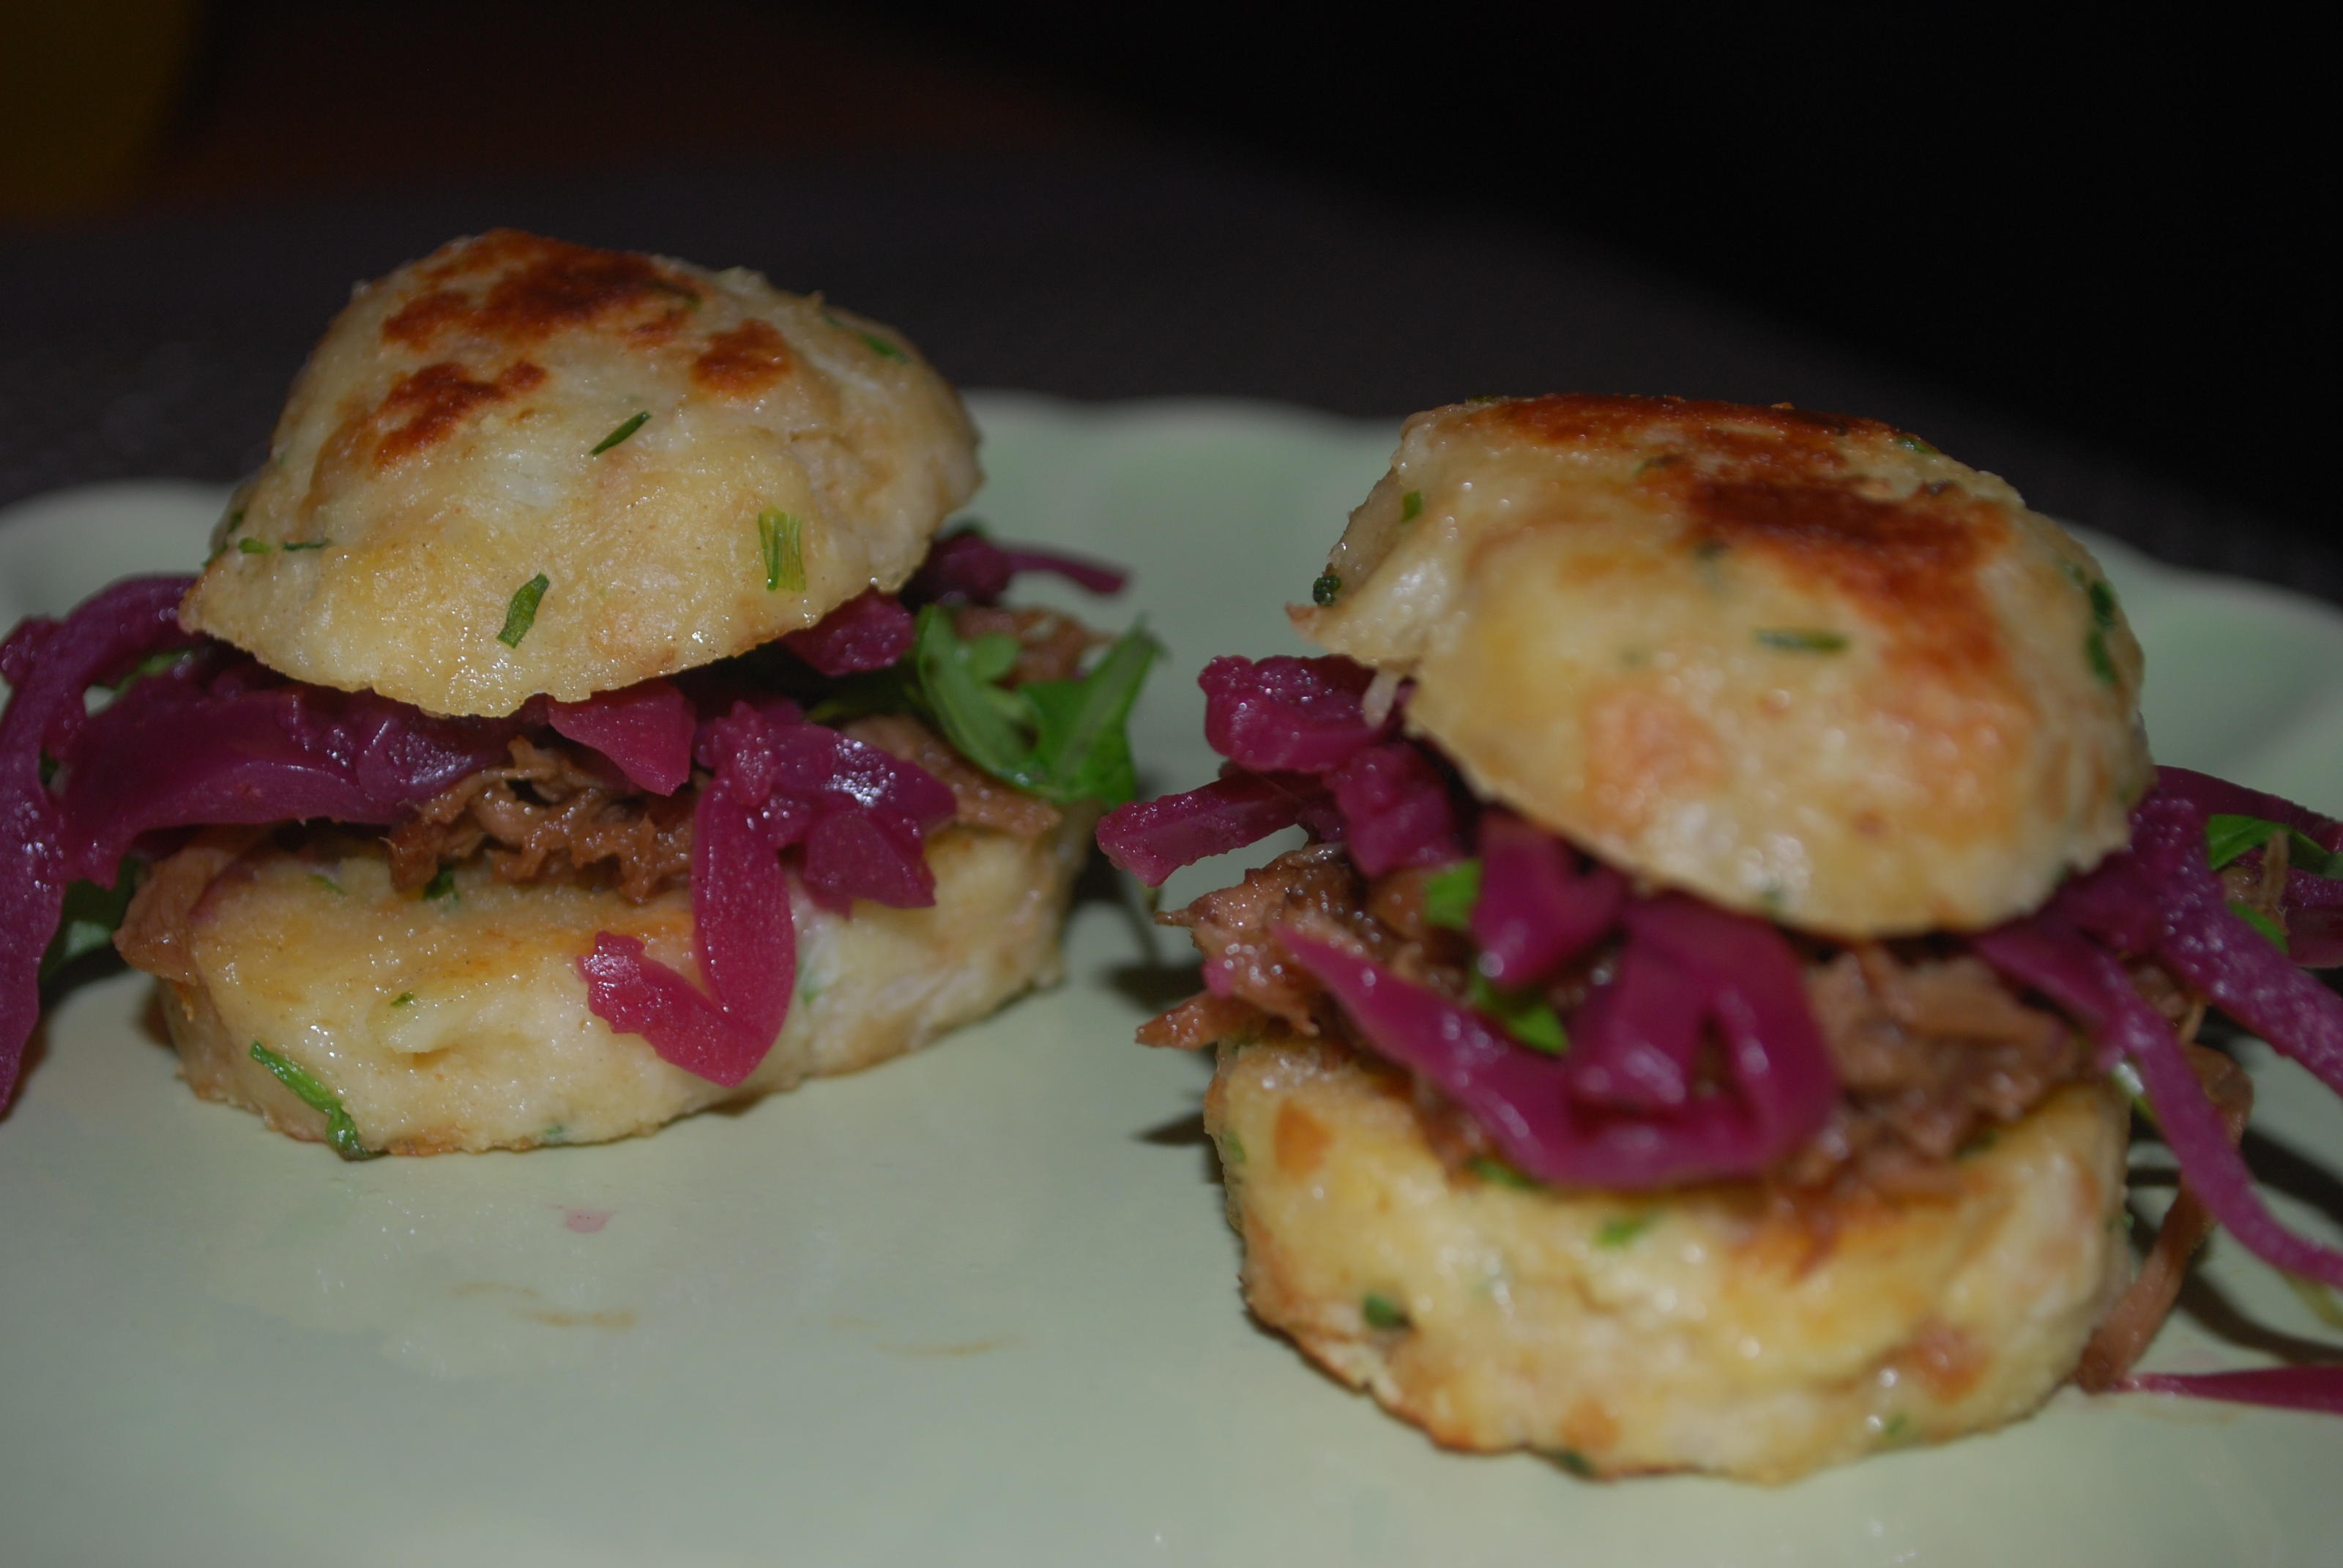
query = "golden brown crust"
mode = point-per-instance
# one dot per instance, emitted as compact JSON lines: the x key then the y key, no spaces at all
{"x":1799,"y":664}
{"x":439,"y":452}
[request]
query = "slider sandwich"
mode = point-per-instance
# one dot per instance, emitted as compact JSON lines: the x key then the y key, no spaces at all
{"x":1739,"y":898}
{"x":578,"y":722}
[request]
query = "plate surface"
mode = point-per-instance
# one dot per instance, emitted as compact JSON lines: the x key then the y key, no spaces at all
{"x":979,"y":1306}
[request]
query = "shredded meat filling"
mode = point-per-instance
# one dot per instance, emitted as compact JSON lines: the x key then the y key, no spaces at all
{"x":544,"y":817}
{"x":1933,"y":1051}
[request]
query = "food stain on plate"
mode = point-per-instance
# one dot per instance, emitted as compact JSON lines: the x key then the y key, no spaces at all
{"x":585,"y":1222}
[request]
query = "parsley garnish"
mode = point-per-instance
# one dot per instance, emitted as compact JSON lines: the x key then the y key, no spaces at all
{"x":1450,"y":893}
{"x":325,"y":882}
{"x":91,"y":916}
{"x":1323,"y":591}
{"x":1803,"y":639}
{"x":1410,"y":505}
{"x":780,"y":535}
{"x":1381,"y":1312}
{"x":442,"y":884}
{"x":291,"y":545}
{"x":2269,"y":928}
{"x":1232,"y":1149}
{"x":625,"y":430}
{"x":403,"y":999}
{"x":521,"y":613}
{"x":1622,"y":1229}
{"x":1526,"y":1015}
{"x":253,"y":547}
{"x":341,"y":1131}
{"x":1914,"y":444}
{"x":1571,"y":1460}
{"x":2227,"y":837}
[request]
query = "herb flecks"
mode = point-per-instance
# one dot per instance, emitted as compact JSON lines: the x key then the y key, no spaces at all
{"x":521,"y":613}
{"x":1497,"y":1173}
{"x":1383,"y":1314}
{"x":403,"y":999}
{"x":1410,"y":505}
{"x":291,"y":545}
{"x":253,"y":547}
{"x":1802,"y":640}
{"x":870,"y":340}
{"x":1622,"y":1229}
{"x":1322,"y":592}
{"x":1571,"y":1460}
{"x":781,"y":537}
{"x":1911,"y":443}
{"x":341,"y":1132}
{"x":2102,"y":663}
{"x":625,"y":428}
{"x":442,"y":884}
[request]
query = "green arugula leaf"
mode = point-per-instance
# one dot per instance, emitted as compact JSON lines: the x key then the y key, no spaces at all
{"x":92,"y":915}
{"x":1081,"y":742}
{"x":521,"y":613}
{"x":1063,"y":740}
{"x":1450,"y":893}
{"x":959,"y":700}
{"x":341,"y":1132}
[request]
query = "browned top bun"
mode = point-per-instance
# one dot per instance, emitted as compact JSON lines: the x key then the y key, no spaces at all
{"x":438,"y":453}
{"x":1799,"y":664}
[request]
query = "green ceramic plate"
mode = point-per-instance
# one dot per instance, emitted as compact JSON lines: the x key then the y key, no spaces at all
{"x":979,"y":1306}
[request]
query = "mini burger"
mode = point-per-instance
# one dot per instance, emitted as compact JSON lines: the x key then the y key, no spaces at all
{"x":1738,"y":900}
{"x":578,"y":722}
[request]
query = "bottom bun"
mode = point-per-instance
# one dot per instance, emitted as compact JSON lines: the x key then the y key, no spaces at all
{"x":461,"y":1022}
{"x":1705,"y":1329}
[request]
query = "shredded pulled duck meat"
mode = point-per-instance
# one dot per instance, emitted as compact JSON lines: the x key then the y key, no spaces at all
{"x":1932,"y":1049}
{"x":546,"y":816}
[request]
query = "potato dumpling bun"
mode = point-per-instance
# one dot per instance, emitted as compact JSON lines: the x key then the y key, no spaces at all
{"x":1801,"y":665}
{"x":1733,"y":875}
{"x":582,"y":718}
{"x":451,"y":440}
{"x":1702,"y":1329}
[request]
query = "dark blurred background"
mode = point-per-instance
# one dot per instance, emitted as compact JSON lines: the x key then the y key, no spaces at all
{"x":2088,"y":259}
